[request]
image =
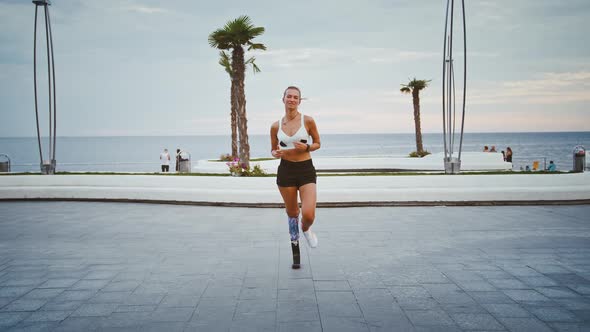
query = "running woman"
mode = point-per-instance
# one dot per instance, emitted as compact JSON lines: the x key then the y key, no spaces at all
{"x":290,"y":141}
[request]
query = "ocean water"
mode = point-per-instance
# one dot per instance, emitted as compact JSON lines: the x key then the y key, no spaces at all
{"x":141,"y":154}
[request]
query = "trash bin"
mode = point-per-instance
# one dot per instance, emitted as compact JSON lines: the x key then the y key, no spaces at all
{"x":184,"y":164}
{"x":579,"y":158}
{"x":4,"y":163}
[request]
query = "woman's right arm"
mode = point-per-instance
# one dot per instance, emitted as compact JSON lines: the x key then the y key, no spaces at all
{"x":274,"y":141}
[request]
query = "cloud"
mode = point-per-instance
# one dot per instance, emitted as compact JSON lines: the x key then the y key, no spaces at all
{"x":548,"y":88}
{"x":319,"y":57}
{"x":146,"y":10}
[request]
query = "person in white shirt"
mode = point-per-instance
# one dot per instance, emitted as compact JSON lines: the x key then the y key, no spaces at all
{"x":165,"y":161}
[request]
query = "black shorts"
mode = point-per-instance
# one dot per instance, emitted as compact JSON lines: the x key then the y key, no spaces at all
{"x":295,"y":173}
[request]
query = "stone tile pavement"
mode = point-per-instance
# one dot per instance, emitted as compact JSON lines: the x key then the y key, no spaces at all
{"x":68,"y":266}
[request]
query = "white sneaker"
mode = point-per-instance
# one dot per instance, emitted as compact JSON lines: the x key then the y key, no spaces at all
{"x":312,"y":239}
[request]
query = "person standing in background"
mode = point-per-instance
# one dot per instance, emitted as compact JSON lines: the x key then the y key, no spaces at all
{"x":165,"y":161}
{"x":177,"y":160}
{"x":508,"y":154}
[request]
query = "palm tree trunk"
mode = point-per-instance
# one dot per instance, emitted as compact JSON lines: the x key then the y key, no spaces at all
{"x":234,"y":122}
{"x":238,"y":77}
{"x":416,"y":100}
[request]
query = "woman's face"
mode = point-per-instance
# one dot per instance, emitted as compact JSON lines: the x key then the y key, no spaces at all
{"x":292,"y":98}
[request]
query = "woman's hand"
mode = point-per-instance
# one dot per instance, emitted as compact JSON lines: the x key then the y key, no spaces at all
{"x":278,"y":153}
{"x":300,"y":147}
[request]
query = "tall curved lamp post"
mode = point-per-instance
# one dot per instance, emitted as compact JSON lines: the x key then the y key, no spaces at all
{"x":452,"y":161}
{"x":47,"y":166}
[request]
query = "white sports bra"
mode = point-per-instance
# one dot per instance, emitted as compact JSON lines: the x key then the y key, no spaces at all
{"x":286,"y":142}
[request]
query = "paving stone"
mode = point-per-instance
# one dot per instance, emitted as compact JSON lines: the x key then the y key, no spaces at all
{"x":289,"y":311}
{"x":557,"y":292}
{"x":470,"y":308}
{"x":490,"y":297}
{"x":77,"y":324}
{"x":51,"y":316}
{"x":341,"y":304}
{"x":258,"y":293}
{"x":94,"y":309}
{"x":24,"y":305}
{"x":43,"y":293}
{"x":476,"y":286}
{"x":59,"y":283}
{"x":506,"y":310}
{"x":583,"y":315}
{"x":14,"y":291}
{"x":409,"y":292}
{"x":298,"y":326}
{"x":418,"y":303}
{"x":121,"y":286}
{"x":524,"y":324}
{"x":336,"y":324}
{"x":508,"y":284}
{"x":571,"y":327}
{"x":5,"y":300}
{"x":74,"y":295}
{"x":110,"y":297}
{"x":574,"y":303}
{"x":552,"y":314}
{"x":144,"y":299}
{"x":525,"y":295}
{"x":429,"y":317}
{"x":541,"y":281}
{"x":8,"y":319}
{"x":177,"y":314}
{"x":96,"y":284}
{"x":568,"y":278}
{"x":22,"y":282}
{"x":477,"y":322}
{"x":331,"y":285}
{"x":580,"y":289}
{"x":61,"y":306}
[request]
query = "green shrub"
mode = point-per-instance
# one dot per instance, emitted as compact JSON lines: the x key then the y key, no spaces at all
{"x":236,"y":168}
{"x":415,"y":154}
{"x":226,"y":157}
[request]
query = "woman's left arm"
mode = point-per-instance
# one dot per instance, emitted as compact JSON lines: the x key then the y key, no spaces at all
{"x":315,"y":135}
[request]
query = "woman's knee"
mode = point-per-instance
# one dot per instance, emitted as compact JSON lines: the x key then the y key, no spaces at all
{"x":292,"y":212}
{"x":309,"y":216}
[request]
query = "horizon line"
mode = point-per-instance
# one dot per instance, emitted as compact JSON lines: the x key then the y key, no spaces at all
{"x":369,"y":133}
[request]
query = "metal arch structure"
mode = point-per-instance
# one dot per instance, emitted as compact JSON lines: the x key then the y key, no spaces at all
{"x":452,"y":161}
{"x":47,"y":166}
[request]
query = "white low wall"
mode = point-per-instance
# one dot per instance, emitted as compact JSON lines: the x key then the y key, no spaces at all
{"x":470,"y":161}
{"x":331,"y":189}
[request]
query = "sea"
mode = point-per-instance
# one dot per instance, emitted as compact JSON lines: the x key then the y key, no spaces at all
{"x":141,"y":153}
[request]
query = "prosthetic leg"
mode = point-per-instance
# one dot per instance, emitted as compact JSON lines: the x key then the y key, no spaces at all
{"x":296,"y":255}
{"x":294,"y":233}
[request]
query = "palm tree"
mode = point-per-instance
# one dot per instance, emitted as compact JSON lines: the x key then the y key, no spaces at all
{"x":225,"y":62}
{"x":414,"y":87}
{"x":234,"y":36}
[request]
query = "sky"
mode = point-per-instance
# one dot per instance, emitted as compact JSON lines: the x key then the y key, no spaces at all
{"x":130,"y":67}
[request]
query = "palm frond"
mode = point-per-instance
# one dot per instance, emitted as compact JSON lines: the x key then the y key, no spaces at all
{"x":415,"y":84}
{"x":225,"y":62}
{"x":256,"y":46}
{"x":252,"y":62}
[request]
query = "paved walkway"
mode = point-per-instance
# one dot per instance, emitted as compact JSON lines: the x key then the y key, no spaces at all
{"x":67,"y":266}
